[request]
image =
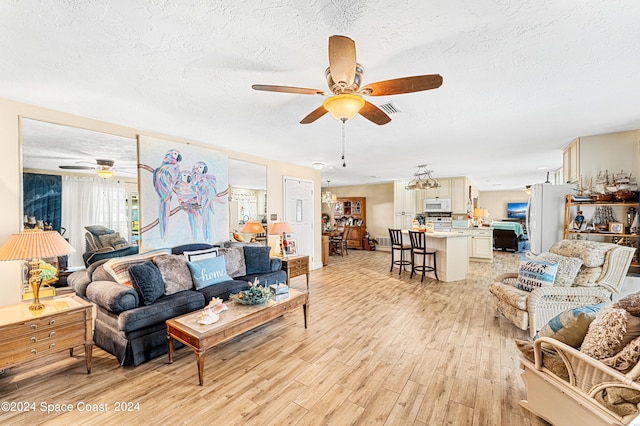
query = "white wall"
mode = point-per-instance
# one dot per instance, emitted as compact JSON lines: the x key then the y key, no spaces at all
{"x":613,"y":152}
{"x":11,"y":178}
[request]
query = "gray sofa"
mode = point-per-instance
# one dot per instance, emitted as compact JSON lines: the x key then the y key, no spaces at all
{"x":133,"y":330}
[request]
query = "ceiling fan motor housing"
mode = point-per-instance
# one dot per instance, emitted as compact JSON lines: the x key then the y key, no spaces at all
{"x":341,"y":87}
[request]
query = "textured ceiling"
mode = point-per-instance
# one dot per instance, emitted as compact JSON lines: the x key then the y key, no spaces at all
{"x":521,"y":78}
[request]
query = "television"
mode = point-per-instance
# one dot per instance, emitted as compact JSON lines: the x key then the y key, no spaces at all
{"x":517,"y":210}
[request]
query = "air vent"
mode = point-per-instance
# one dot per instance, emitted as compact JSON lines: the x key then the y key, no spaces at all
{"x":390,"y":108}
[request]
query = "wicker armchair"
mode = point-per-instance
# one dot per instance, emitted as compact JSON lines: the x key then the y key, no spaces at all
{"x":532,"y":310}
{"x":586,"y":398}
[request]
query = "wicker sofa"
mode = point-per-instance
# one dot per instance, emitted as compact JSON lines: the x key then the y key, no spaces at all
{"x":601,"y":270}
{"x":133,"y":330}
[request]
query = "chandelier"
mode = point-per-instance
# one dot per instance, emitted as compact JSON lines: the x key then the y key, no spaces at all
{"x":422,"y":179}
{"x":328,"y":197}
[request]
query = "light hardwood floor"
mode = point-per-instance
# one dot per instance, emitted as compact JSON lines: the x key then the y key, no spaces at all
{"x":380,"y":349}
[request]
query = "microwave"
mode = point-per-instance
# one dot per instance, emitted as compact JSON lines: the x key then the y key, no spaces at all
{"x":432,"y":205}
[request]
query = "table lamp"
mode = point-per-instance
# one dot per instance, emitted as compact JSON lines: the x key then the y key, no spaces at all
{"x":282,"y":229}
{"x":480,"y":214}
{"x":253,"y":227}
{"x":32,"y":245}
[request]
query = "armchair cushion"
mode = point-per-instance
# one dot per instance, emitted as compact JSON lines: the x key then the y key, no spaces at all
{"x":99,"y":230}
{"x":592,"y":253}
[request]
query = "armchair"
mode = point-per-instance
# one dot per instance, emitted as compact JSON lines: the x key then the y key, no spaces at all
{"x":104,"y":243}
{"x":604,"y":268}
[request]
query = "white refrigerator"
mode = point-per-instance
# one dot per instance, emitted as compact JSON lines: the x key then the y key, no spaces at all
{"x":545,"y":215}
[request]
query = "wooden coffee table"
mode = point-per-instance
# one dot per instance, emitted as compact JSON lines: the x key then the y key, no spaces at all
{"x":234,"y":321}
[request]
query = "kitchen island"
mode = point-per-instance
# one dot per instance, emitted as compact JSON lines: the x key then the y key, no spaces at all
{"x":452,"y":254}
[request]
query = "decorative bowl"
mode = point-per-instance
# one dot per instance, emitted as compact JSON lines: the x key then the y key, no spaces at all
{"x":253,"y":296}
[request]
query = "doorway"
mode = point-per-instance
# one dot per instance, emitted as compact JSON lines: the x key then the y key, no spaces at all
{"x":298,"y":211}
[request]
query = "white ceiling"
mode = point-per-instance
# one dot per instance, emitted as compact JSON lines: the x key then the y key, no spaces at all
{"x":521,"y":78}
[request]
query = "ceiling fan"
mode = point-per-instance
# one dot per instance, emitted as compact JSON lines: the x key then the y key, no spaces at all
{"x":103,"y":168}
{"x":344,"y":77}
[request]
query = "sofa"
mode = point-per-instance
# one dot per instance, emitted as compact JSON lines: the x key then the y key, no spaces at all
{"x":583,"y":366}
{"x":134,"y":295}
{"x":573,"y":273}
{"x":509,"y":236}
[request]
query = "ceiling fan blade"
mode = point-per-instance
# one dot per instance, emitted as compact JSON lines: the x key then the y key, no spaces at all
{"x":398,"y":86}
{"x":374,"y":114}
{"x":77,"y":167}
{"x":287,"y":89}
{"x":314,"y":115}
{"x":342,"y":59}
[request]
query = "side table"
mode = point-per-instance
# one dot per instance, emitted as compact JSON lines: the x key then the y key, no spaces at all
{"x":64,"y":323}
{"x":296,"y":265}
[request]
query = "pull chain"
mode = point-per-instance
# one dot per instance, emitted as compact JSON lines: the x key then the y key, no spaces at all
{"x":344,"y":121}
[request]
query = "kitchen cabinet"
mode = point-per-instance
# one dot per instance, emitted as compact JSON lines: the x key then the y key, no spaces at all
{"x":571,"y":162}
{"x":404,"y":205}
{"x":462,"y":192}
{"x":480,"y":243}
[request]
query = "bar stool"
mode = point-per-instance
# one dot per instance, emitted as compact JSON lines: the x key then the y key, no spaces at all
{"x":398,"y":245}
{"x":418,"y":248}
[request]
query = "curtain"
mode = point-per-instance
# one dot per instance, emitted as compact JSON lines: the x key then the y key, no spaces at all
{"x":42,"y":198}
{"x":92,"y":201}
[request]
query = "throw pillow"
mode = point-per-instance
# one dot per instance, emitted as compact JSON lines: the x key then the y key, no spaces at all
{"x":147,"y":281}
{"x":208,"y":272}
{"x":119,"y":243}
{"x":534,"y":274}
{"x":587,"y":276}
{"x":592,"y":253}
{"x":118,"y":267}
{"x":630,"y":303}
{"x":612,"y":330}
{"x":234,"y":258}
{"x":257,"y":259}
{"x":568,"y":267}
{"x":175,"y":273}
{"x":194,"y":255}
{"x":99,"y":229}
{"x":626,"y":359}
{"x":106,"y":240}
{"x":572,"y":325}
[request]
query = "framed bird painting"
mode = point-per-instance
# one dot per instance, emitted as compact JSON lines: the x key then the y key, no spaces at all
{"x":182,"y":193}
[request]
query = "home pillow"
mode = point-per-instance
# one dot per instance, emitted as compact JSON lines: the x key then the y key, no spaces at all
{"x":257,"y":259}
{"x":208,"y":272}
{"x":612,"y":330}
{"x":534,"y":274}
{"x":118,"y":267}
{"x":175,"y":273}
{"x":234,"y":258}
{"x":194,"y":255}
{"x":571,"y":326}
{"x":147,"y":281}
{"x":568,"y":267}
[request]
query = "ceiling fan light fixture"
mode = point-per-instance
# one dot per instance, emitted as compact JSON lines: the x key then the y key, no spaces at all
{"x":104,"y":173}
{"x":344,"y":106}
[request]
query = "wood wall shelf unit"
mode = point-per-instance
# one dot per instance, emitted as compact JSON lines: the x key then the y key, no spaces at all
{"x":353,"y":210}
{"x":588,"y":208}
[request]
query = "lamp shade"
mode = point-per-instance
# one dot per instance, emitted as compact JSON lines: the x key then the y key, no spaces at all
{"x":278,"y":228}
{"x":34,"y":244}
{"x":344,"y":106}
{"x":253,"y":227}
{"x":104,"y":173}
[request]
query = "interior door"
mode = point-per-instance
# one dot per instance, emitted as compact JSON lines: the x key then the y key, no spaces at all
{"x":298,"y":211}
